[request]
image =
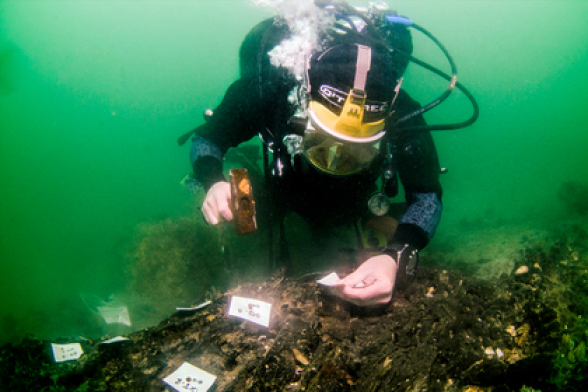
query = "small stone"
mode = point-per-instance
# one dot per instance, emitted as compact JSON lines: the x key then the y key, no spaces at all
{"x":522,"y":270}
{"x":512,"y":331}
{"x":430,"y":292}
{"x":300,"y":357}
{"x":499,"y":353}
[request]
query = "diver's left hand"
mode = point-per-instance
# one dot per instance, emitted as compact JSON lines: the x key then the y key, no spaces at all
{"x":370,"y":284}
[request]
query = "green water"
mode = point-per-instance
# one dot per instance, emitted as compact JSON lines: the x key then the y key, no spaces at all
{"x":93,"y":95}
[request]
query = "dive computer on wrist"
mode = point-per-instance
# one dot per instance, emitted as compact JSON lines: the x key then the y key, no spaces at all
{"x":407,"y":259}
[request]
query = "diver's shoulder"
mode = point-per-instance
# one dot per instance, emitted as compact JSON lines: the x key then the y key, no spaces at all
{"x":405,"y":102}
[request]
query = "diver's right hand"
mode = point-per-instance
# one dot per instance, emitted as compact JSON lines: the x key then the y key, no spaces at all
{"x":216,"y":207}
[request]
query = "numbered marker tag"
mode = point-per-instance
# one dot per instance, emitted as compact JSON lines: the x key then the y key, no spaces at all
{"x":330,"y":280}
{"x":66,"y":352}
{"x":115,"y":315}
{"x":252,"y":310}
{"x":190,"y":378}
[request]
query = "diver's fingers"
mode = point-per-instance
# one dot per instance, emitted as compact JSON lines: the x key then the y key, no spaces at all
{"x":223,"y":206}
{"x":377,"y":293}
{"x":209,"y":216}
{"x":372,"y":283}
{"x":216,"y":206}
{"x":222,"y":195}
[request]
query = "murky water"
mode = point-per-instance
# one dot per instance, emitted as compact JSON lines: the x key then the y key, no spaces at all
{"x":93,"y":96}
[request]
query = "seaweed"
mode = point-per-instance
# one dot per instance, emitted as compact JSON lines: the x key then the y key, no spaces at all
{"x":175,"y":259}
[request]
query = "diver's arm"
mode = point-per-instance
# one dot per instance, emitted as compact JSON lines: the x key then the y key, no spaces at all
{"x":375,"y":280}
{"x":417,"y":226}
{"x":206,"y":159}
{"x":419,"y":170}
{"x":242,"y":113}
{"x":230,"y":125}
{"x":207,"y":162}
{"x":234,"y":121}
{"x":239,"y":117}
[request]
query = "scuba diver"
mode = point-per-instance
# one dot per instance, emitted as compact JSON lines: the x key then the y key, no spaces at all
{"x":339,"y":133}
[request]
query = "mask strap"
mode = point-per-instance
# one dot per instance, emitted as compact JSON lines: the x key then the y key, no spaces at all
{"x":364,"y":59}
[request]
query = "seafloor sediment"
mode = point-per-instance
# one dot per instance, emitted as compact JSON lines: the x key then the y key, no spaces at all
{"x":445,"y":332}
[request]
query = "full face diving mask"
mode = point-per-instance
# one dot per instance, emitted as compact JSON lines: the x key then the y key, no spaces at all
{"x":345,"y":129}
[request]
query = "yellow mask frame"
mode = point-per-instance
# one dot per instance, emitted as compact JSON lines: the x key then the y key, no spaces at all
{"x":350,"y":122}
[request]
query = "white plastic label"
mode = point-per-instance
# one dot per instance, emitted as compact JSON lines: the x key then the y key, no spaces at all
{"x":190,"y":378}
{"x":115,"y":315}
{"x":330,"y":280}
{"x":66,"y":352}
{"x":252,"y":310}
{"x":202,"y":305}
{"x":116,"y":340}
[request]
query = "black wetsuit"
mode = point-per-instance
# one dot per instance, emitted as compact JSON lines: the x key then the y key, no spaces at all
{"x":254,"y":104}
